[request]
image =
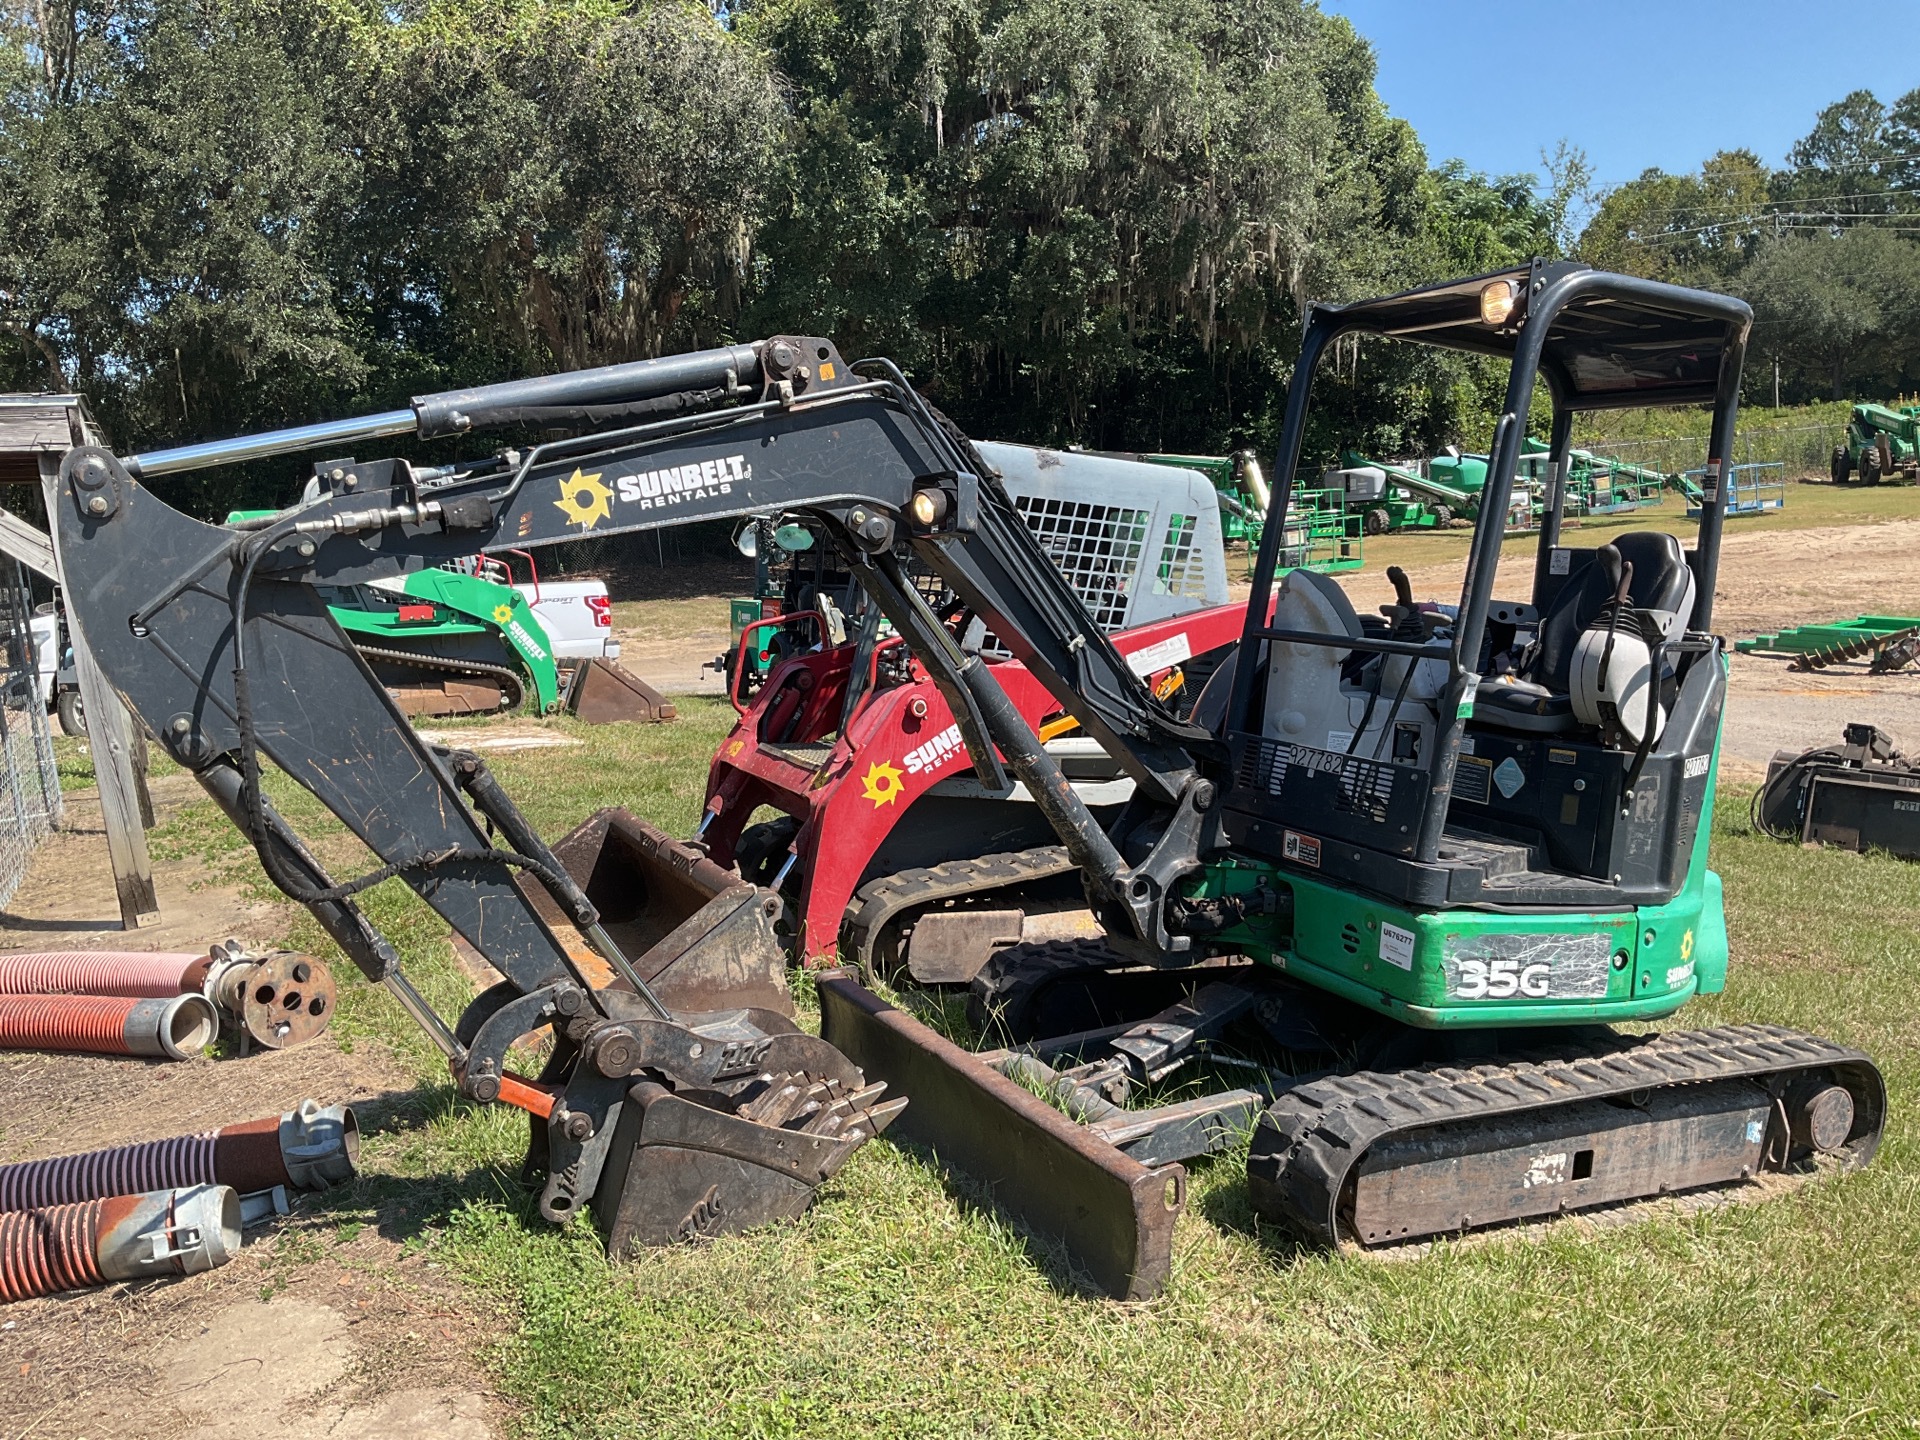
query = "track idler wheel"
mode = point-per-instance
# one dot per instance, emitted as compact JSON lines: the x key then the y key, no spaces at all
{"x":695,"y":1164}
{"x":1819,"y":1115}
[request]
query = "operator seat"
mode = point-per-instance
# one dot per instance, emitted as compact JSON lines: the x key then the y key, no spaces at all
{"x":1537,"y":699}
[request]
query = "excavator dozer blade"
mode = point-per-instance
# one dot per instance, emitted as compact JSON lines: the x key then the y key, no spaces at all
{"x":1114,"y":1215}
{"x":700,"y":936}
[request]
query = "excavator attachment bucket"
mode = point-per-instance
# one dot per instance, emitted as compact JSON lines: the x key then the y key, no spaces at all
{"x":1113,"y":1214}
{"x":754,"y":1115}
{"x":604,"y":691}
{"x":688,"y":1166}
{"x":700,"y":936}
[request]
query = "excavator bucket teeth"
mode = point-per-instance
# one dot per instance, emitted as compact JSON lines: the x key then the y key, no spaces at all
{"x":1114,"y":1215}
{"x":686,"y":1166}
{"x":700,"y":936}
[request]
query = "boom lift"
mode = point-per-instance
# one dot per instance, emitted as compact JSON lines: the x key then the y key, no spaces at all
{"x":1454,"y":854}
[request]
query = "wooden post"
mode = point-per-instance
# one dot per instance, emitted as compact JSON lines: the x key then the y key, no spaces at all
{"x":113,"y":737}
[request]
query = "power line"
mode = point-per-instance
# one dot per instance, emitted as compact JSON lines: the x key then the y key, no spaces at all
{"x":1784,"y":227}
{"x":1761,"y":170}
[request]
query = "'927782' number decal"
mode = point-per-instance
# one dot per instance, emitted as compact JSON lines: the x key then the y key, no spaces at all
{"x":1502,"y":978}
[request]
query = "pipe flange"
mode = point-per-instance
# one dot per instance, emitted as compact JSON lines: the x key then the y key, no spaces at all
{"x":279,"y":1000}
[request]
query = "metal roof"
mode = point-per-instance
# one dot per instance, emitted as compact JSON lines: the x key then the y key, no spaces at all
{"x":1614,"y":340}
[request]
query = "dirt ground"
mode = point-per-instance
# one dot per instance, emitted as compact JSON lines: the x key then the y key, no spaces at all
{"x":1770,"y":580}
{"x":314,"y":1329}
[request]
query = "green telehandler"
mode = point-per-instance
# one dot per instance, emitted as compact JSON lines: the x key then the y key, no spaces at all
{"x":1882,"y":443}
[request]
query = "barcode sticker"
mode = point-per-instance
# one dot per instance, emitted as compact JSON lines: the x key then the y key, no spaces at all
{"x":1396,"y":946}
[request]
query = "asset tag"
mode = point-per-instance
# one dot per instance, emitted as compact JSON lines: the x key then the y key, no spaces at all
{"x":1467,"y":696}
{"x":1396,"y":946}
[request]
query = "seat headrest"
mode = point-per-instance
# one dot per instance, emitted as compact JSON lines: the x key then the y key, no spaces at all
{"x":1662,"y":579}
{"x":1661,"y":576}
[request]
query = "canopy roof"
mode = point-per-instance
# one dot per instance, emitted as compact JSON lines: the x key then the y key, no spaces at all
{"x":1613,"y":340}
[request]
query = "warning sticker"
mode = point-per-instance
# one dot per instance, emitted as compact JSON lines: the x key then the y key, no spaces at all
{"x":1301,"y":849}
{"x":1509,"y":777}
{"x":1559,"y":562}
{"x":1161,"y":654}
{"x":1396,"y":946}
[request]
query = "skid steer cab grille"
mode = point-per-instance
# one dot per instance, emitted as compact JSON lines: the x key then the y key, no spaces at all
{"x":1325,"y":795}
{"x":1097,"y":547}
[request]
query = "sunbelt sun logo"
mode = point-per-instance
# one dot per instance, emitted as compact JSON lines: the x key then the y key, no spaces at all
{"x":503,"y":617}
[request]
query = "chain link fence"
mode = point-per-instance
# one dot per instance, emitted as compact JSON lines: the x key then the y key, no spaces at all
{"x":633,"y":564}
{"x":1801,"y":449}
{"x":29,"y":781}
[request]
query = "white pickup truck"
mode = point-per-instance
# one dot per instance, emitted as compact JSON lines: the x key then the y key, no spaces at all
{"x":577,"y":616}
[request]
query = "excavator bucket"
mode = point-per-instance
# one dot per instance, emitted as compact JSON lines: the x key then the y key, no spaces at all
{"x":692,"y":1165}
{"x":700,"y":936}
{"x":604,"y":691}
{"x":760,"y":1114}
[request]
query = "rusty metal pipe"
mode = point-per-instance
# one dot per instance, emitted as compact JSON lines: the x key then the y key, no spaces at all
{"x":120,"y":1237}
{"x":308,"y":1148}
{"x":174,"y":1028}
{"x":278,"y":1000}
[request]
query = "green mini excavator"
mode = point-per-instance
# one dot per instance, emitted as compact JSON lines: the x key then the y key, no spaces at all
{"x":1417,"y":865}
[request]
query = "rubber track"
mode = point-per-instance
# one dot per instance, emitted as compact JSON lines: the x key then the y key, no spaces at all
{"x":512,"y":689}
{"x":1308,"y":1142}
{"x":880,"y":902}
{"x":1012,"y":982}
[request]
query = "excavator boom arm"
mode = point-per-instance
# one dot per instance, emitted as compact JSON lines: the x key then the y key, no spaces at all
{"x":780,"y":426}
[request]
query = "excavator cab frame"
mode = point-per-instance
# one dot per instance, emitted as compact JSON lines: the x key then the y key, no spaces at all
{"x":1599,"y":341}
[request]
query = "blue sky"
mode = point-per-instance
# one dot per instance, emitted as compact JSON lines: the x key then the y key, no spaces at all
{"x":1634,"y":83}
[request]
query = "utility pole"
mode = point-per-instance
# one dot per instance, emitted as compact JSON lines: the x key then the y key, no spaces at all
{"x":1776,"y":383}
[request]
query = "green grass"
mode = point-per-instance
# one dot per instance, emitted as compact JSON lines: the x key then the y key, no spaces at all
{"x":669,"y":619}
{"x":898,"y":1306}
{"x":1594,"y":430}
